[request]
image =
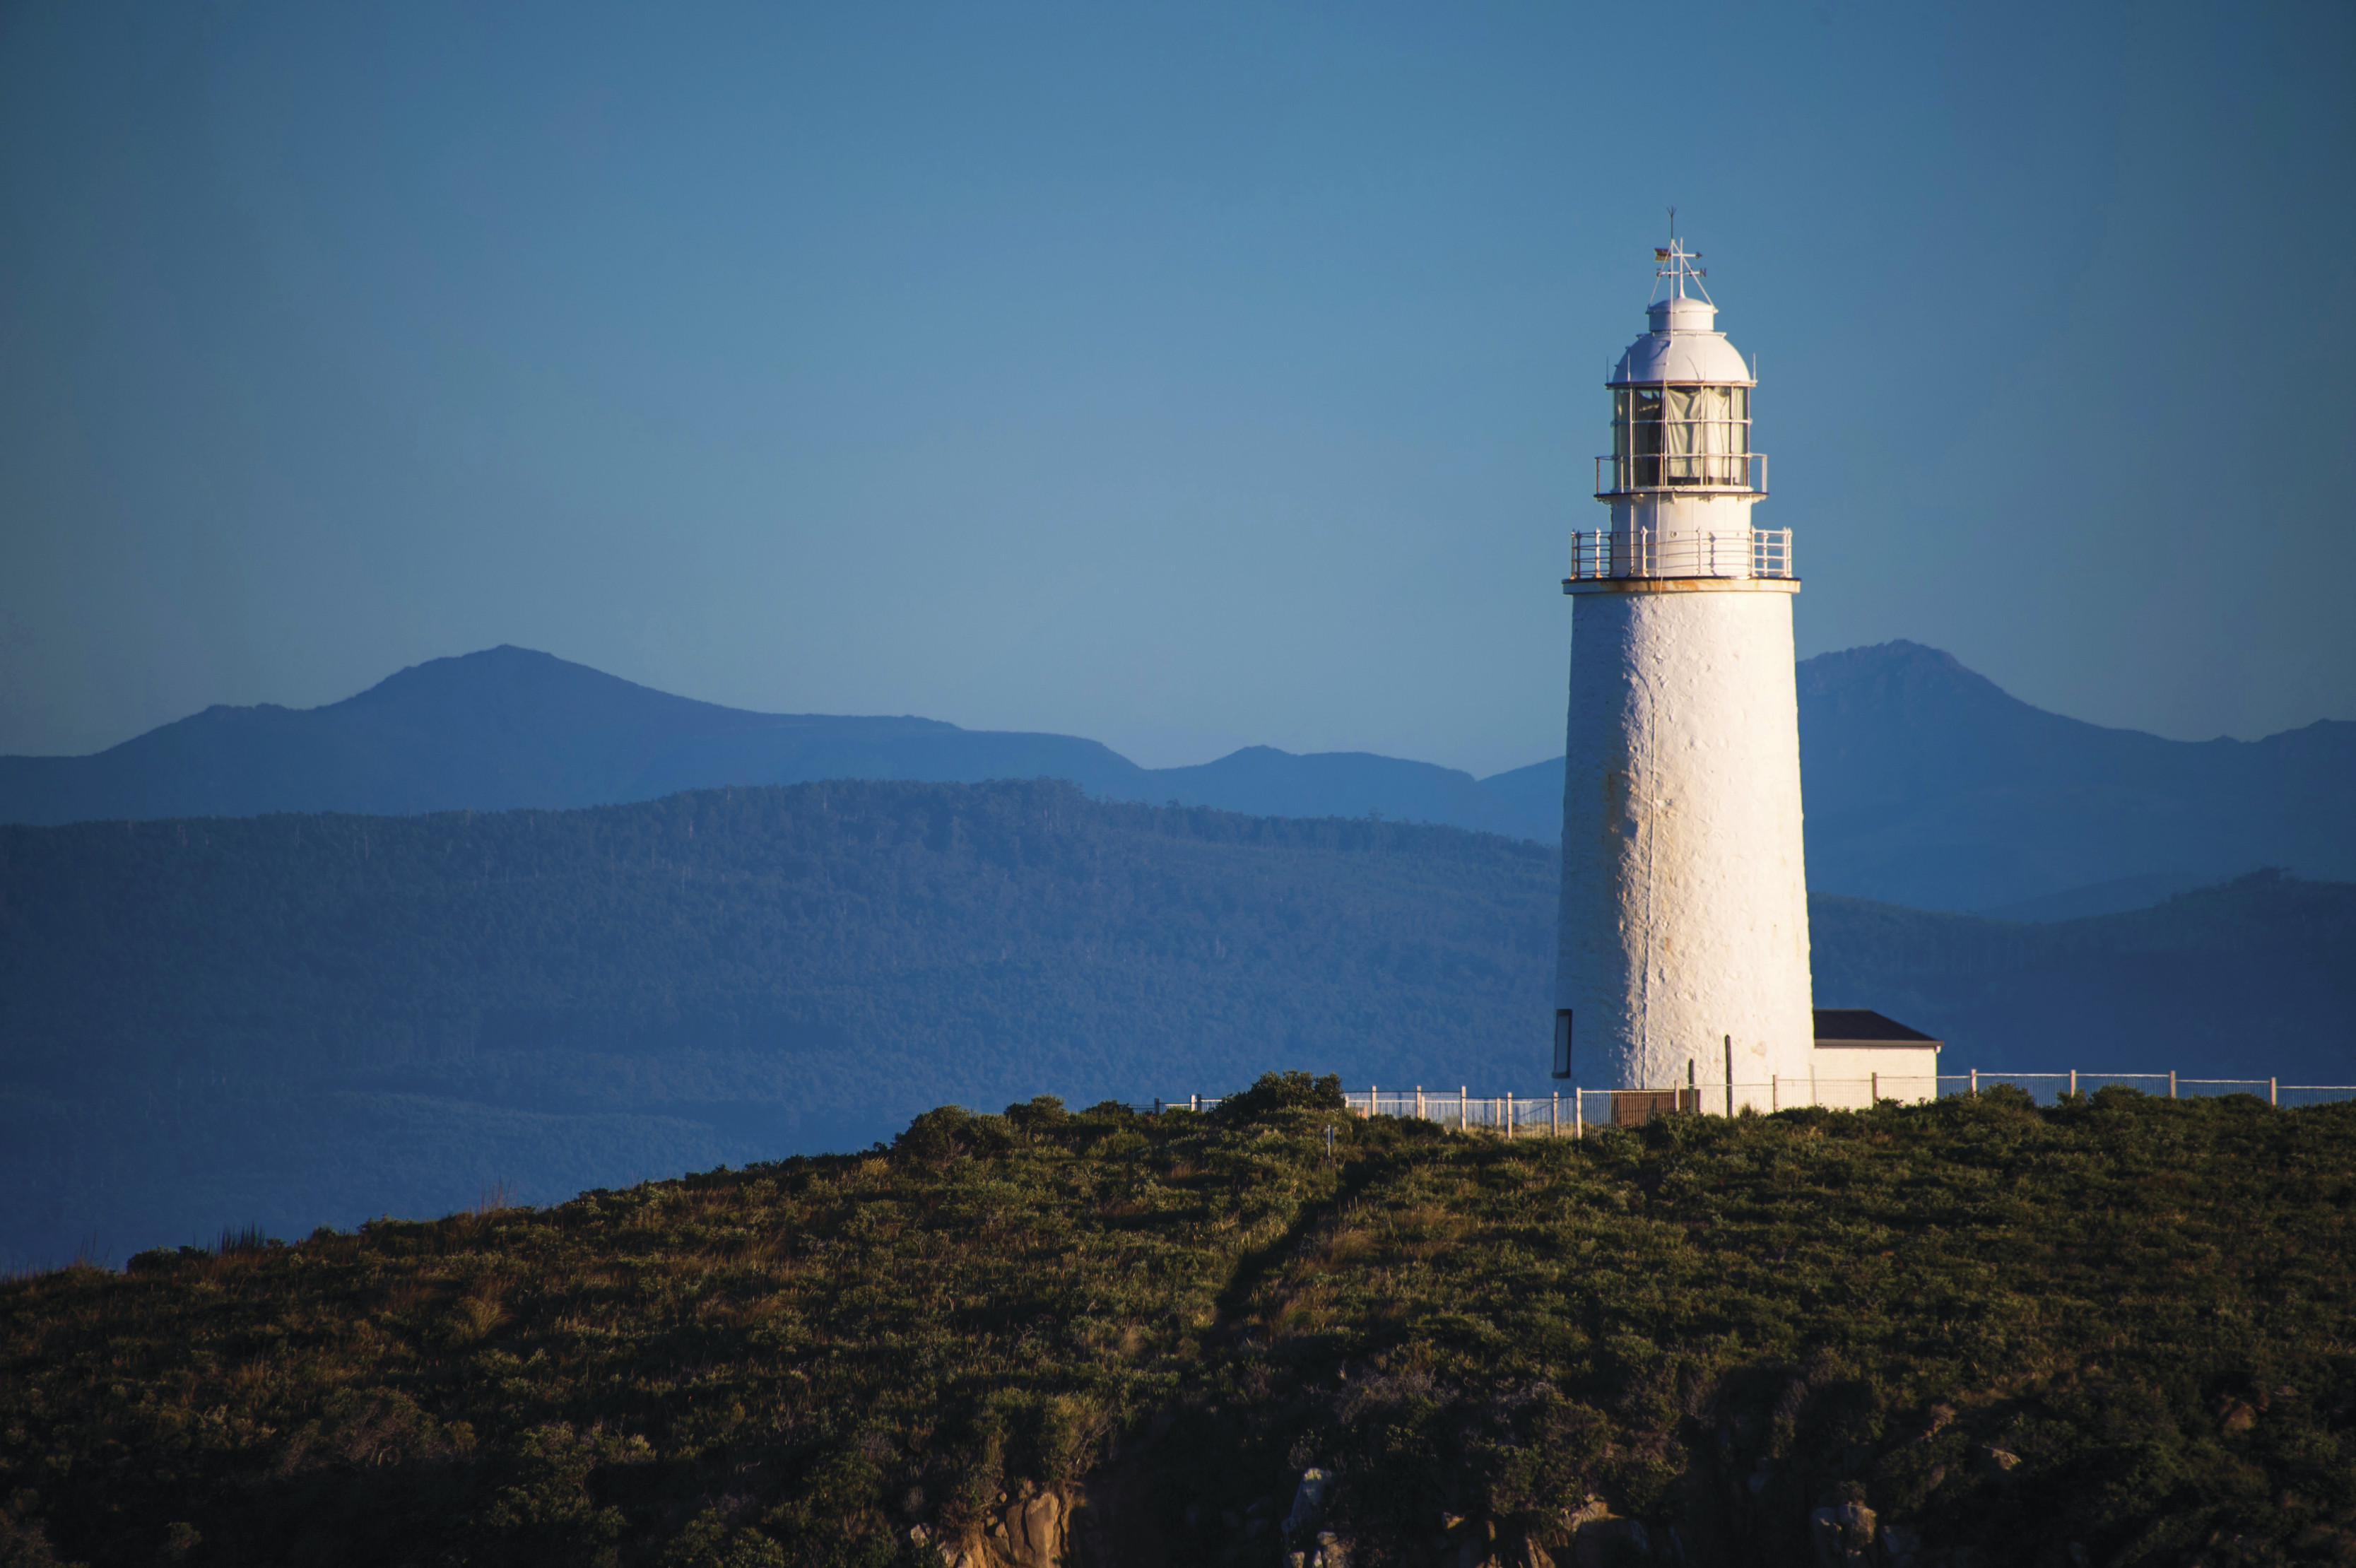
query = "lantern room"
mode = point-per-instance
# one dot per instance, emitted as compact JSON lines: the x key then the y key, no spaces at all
{"x":1680,"y":399}
{"x":1681,"y":478}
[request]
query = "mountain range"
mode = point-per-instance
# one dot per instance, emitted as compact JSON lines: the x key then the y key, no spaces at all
{"x":508,"y":727}
{"x":1926,"y":784}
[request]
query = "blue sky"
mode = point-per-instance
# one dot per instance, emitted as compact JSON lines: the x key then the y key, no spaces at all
{"x":1186,"y":376}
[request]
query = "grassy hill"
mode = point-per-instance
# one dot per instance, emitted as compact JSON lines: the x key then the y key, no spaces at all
{"x":1974,"y":1333}
{"x":296,"y":1020}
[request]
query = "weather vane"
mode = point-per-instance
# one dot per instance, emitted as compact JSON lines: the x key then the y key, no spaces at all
{"x":1676,"y":263}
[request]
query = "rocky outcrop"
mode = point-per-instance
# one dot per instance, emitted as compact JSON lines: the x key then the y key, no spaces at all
{"x":1113,"y":1520}
{"x":1108,"y":1522}
{"x":1029,"y":1530}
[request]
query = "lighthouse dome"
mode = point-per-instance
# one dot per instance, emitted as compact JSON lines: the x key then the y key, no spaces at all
{"x":1681,"y":347}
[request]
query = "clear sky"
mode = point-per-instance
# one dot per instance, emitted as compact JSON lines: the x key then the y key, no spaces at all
{"x":1184,"y":377}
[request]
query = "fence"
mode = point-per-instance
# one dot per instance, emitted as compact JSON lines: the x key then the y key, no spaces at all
{"x":1566,"y":1113}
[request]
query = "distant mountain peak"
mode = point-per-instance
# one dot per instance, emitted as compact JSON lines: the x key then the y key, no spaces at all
{"x":509,"y":670}
{"x":1899,"y":666}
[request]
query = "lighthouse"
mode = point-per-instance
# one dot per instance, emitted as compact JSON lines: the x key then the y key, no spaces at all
{"x":1684,"y":934}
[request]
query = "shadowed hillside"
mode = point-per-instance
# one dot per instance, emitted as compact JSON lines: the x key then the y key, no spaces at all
{"x":288,"y":1020}
{"x":291,"y":1019}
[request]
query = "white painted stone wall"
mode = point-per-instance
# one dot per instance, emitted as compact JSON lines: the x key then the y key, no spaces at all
{"x":1685,"y":914}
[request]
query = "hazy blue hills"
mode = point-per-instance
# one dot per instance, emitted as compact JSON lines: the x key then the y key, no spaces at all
{"x":297,"y":1020}
{"x":1947,"y":793}
{"x":1925,"y":783}
{"x":508,"y":727}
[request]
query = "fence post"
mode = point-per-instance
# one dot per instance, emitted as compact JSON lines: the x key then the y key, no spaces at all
{"x":1577,"y":1115}
{"x":1463,"y":1108}
{"x":1877,"y":1089}
{"x":1373,"y":1098}
{"x":1730,"y":1075}
{"x":2273,"y":1094}
{"x":1419,"y":1101}
{"x":1554,"y":1117}
{"x":1975,"y":1083}
{"x":1693,"y":1092}
{"x":1509,"y":1114}
{"x":2171,"y":1082}
{"x":2073,"y":1083}
{"x":1194,"y":1102}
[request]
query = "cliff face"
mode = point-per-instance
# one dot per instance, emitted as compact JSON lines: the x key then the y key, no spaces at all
{"x":1930,"y":1336}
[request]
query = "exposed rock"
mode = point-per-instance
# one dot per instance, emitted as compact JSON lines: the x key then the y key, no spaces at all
{"x":2236,"y":1416}
{"x":1028,"y":1531}
{"x":1328,"y":1551}
{"x":1996,"y":1462}
{"x":1843,"y":1537}
{"x":1598,"y":1538}
{"x":1307,"y":1504}
{"x":1034,"y":1531}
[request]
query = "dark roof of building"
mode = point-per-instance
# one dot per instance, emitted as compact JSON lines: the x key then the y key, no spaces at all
{"x":1863,"y":1026}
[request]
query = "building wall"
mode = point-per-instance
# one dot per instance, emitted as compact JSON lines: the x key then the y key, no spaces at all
{"x":1685,"y":914}
{"x":1845,"y":1074}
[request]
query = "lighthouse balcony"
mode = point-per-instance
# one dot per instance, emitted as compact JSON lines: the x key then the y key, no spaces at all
{"x":1682,"y":474}
{"x":1733,"y":552}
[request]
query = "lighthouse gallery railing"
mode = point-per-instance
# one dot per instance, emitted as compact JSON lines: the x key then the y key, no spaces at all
{"x":1741,"y":552}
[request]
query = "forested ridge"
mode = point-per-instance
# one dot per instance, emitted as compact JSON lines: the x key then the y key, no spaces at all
{"x":1973,"y":1334}
{"x":294,"y":1018}
{"x":289,"y":1020}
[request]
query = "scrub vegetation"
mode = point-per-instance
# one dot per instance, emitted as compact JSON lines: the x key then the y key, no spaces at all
{"x":2115,"y":1331}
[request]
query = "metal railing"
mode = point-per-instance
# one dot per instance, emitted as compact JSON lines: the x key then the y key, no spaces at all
{"x":1568,"y":1113}
{"x":1631,"y":474}
{"x":1736,"y":553}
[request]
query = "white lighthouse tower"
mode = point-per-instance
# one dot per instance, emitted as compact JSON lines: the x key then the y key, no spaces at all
{"x":1684,"y":953}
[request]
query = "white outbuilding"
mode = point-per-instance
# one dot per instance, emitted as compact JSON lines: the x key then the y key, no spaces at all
{"x":1863,"y":1057}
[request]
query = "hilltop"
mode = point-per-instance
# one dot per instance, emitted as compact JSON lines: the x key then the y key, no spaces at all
{"x":1967,"y":1334}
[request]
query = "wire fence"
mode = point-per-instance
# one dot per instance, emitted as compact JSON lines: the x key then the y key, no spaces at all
{"x":1567,"y":1113}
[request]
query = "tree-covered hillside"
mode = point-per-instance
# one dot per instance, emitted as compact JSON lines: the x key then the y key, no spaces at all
{"x":286,"y":1021}
{"x":1967,"y":1335}
{"x":292,"y":1020}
